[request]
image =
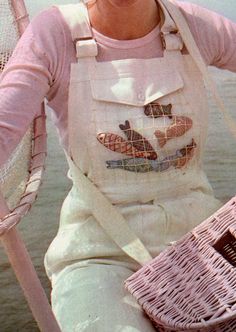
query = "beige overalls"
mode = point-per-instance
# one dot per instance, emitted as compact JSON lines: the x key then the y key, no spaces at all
{"x":137,"y":129}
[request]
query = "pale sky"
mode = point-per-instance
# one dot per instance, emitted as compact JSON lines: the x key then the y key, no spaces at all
{"x":225,"y":7}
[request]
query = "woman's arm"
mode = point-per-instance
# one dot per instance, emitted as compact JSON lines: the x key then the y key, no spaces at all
{"x":215,"y":35}
{"x":32,"y":73}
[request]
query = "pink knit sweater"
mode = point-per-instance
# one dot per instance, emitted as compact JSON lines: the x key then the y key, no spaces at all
{"x":40,"y":66}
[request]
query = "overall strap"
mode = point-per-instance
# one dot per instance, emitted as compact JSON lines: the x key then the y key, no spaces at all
{"x":109,"y":217}
{"x":191,"y":45}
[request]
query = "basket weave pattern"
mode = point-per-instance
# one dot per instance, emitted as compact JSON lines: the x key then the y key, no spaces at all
{"x":191,"y":286}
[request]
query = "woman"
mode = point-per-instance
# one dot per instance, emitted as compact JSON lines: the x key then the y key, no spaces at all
{"x":136,"y":127}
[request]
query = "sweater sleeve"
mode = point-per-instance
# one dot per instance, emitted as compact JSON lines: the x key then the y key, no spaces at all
{"x":30,"y":75}
{"x":214,"y":34}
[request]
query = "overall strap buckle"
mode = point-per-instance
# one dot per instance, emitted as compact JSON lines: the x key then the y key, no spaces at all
{"x":77,"y":18}
{"x":170,"y":37}
{"x":172,"y":41}
{"x":86,"y":47}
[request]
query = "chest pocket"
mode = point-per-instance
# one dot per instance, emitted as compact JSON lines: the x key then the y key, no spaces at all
{"x":136,"y":90}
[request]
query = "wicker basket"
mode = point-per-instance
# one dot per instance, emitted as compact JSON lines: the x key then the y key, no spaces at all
{"x":191,"y":286}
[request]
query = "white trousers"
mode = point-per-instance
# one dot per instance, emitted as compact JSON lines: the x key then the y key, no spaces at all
{"x":90,"y":297}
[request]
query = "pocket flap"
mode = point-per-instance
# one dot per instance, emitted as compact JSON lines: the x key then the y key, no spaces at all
{"x":136,"y":91}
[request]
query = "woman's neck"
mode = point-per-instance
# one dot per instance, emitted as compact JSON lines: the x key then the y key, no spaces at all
{"x":124,"y":19}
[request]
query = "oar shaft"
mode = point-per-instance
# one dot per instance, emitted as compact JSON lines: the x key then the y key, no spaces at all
{"x":28,"y":279}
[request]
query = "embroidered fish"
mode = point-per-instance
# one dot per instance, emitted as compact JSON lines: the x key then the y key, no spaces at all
{"x":141,"y":165}
{"x":187,"y":153}
{"x":137,"y":140}
{"x":155,"y":110}
{"x":118,"y":144}
{"x":179,"y":126}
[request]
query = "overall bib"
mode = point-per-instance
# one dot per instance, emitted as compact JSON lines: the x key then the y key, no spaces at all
{"x":137,"y":129}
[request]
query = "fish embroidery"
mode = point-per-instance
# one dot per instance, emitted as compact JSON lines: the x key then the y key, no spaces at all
{"x":179,"y":126}
{"x":141,"y":165}
{"x":137,"y":140}
{"x":155,"y":110}
{"x":118,"y":144}
{"x":143,"y":156}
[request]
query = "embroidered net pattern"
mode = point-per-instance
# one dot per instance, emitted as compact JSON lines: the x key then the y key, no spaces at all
{"x":191,"y":286}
